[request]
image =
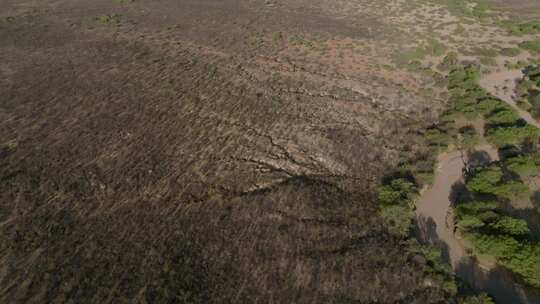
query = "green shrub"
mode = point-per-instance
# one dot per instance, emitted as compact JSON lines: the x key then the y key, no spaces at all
{"x":525,"y":261}
{"x":436,"y":137}
{"x":478,"y":299}
{"x":398,"y":219}
{"x":513,"y":135}
{"x":510,"y":52}
{"x":512,"y":226}
{"x":485,"y":180}
{"x":524,"y":165}
{"x":486,"y":106}
{"x":398,"y":191}
{"x":503,"y":116}
{"x":476,"y":207}
{"x":512,"y":190}
{"x":469,"y":222}
{"x":531,"y":46}
{"x":110,"y":19}
{"x":465,"y":78}
{"x":468,"y":136}
{"x":498,"y":246}
{"x":450,"y":60}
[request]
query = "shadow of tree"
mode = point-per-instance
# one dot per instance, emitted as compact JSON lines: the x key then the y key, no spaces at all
{"x":426,"y":230}
{"x":530,"y":215}
{"x":426,"y":233}
{"x":497,"y":282}
{"x":508,"y":151}
{"x":459,"y":193}
{"x":535,"y":199}
{"x":477,"y":159}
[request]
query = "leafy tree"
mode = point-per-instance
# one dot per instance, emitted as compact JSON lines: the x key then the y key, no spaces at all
{"x":503,"y":116}
{"x":524,"y":165}
{"x":476,"y":206}
{"x":435,"y":137}
{"x":512,"y":190}
{"x":512,"y":226}
{"x":398,"y":219}
{"x":485,"y":180}
{"x":478,"y":299}
{"x":513,"y":135}
{"x":399,"y":190}
{"x":387,"y":195}
{"x":470,"y":222}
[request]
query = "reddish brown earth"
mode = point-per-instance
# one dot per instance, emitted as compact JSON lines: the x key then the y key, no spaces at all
{"x":191,"y":153}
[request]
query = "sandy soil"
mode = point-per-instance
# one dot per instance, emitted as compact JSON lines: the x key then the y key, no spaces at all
{"x":502,"y":84}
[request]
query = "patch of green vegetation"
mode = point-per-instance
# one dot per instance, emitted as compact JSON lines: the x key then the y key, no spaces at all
{"x":523,"y":165}
{"x":502,"y":115}
{"x":468,"y":137}
{"x":277,"y":36}
{"x":485,"y":180}
{"x":463,"y":8}
{"x":518,"y":29}
{"x":477,"y":299}
{"x":9,"y":145}
{"x":510,"y":52}
{"x":430,"y":47}
{"x":397,"y":191}
{"x":531,"y":45}
{"x":449,"y":61}
{"x":437,"y":137}
{"x":514,"y":135}
{"x":488,"y":61}
{"x":396,"y":198}
{"x":491,"y":232}
{"x":436,"y":265}
{"x":470,"y":100}
{"x":398,"y":219}
{"x":484,"y":52}
{"x":110,"y":19}
{"x":520,"y":257}
{"x":489,"y":180}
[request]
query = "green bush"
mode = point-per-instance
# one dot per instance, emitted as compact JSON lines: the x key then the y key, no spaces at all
{"x":436,"y":137}
{"x":523,"y":165}
{"x":512,"y":190}
{"x":469,"y":222}
{"x":398,"y":191}
{"x":398,"y":219}
{"x":478,"y":299}
{"x":510,"y":52}
{"x":485,"y":180}
{"x":513,"y":135}
{"x":531,"y":46}
{"x":468,"y":136}
{"x":511,"y":226}
{"x":502,"y":116}
{"x":476,"y":207}
{"x":522,"y":258}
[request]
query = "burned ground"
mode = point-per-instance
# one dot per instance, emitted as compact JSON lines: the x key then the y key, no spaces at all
{"x":198,"y":151}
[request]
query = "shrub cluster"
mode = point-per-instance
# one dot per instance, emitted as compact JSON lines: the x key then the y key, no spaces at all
{"x":469,"y":99}
{"x":484,"y":223}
